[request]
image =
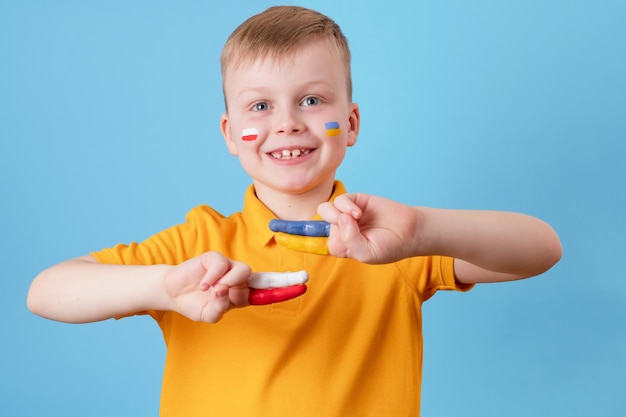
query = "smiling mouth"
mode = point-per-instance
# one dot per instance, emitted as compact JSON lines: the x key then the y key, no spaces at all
{"x":290,"y":153}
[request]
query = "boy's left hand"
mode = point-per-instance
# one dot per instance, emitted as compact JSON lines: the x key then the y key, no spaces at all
{"x":363,"y":227}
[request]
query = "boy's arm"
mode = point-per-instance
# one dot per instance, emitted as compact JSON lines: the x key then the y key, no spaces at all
{"x":83,"y":290}
{"x":488,"y":246}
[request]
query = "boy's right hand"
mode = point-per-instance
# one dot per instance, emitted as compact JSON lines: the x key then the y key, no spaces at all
{"x":204,"y":288}
{"x":207,"y":286}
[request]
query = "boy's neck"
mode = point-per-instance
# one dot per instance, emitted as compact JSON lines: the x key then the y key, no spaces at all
{"x":287,"y":206}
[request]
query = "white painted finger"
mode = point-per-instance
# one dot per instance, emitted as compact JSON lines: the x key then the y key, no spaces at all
{"x":264,"y":280}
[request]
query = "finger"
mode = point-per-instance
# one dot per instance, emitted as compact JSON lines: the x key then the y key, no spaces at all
{"x":239,"y":296}
{"x":275,"y":295}
{"x":348,"y":203}
{"x":301,"y":227}
{"x":316,"y":245}
{"x":349,"y":242}
{"x":227,"y":272}
{"x":349,"y":229}
{"x":264,"y":280}
{"x":328,"y":212}
{"x":218,"y":304}
{"x":215,"y":266}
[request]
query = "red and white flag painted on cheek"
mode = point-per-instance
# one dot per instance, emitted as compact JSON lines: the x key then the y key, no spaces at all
{"x":249,"y":134}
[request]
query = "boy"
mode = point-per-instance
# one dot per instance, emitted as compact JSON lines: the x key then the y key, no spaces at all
{"x":350,"y":346}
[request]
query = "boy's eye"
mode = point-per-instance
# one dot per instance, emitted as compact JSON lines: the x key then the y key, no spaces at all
{"x":261,"y":106}
{"x":311,"y":101}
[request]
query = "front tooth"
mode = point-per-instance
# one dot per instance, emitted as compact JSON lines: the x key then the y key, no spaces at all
{"x":295,"y":153}
{"x":286,"y":153}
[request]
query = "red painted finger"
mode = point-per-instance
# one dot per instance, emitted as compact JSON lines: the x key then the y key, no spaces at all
{"x":275,"y":295}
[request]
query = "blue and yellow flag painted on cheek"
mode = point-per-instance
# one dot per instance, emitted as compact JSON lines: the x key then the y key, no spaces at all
{"x":332,"y":129}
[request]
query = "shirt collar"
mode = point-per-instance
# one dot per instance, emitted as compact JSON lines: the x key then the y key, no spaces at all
{"x":257,"y":216}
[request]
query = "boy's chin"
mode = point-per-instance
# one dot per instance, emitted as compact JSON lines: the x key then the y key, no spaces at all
{"x":293,"y":186}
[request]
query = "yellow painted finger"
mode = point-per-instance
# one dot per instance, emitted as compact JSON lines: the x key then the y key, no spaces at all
{"x":316,"y":245}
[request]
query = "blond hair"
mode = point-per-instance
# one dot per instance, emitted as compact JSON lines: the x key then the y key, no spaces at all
{"x":278,"y":33}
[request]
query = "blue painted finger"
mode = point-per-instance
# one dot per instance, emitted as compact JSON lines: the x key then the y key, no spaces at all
{"x":315,"y":228}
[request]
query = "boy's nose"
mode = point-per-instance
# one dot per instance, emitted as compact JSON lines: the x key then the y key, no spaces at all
{"x":287,"y":123}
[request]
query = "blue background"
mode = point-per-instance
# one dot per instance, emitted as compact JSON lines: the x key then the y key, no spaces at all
{"x":109,"y":132}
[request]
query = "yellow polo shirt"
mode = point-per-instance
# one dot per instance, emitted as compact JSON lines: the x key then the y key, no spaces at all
{"x":350,"y":346}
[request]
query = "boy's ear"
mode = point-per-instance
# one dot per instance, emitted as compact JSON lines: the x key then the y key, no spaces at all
{"x":228,"y":135}
{"x":354,"y":121}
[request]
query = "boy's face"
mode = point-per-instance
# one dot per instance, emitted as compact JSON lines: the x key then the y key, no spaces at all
{"x":290,"y":121}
